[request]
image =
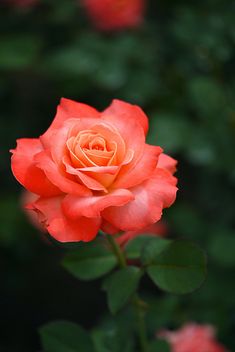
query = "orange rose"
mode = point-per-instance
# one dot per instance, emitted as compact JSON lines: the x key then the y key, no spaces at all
{"x":93,"y":170}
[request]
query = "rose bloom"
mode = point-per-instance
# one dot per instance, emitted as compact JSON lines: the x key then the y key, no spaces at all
{"x":157,"y":229}
{"x":115,"y":14}
{"x":193,"y":338}
{"x":93,"y":170}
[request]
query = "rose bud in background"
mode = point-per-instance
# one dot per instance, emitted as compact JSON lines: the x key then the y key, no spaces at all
{"x":193,"y":337}
{"x":111,"y":15}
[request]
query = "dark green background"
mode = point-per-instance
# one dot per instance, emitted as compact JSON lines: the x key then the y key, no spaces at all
{"x":179,"y":67}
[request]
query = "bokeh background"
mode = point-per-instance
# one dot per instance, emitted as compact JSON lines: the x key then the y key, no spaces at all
{"x":178,"y":65}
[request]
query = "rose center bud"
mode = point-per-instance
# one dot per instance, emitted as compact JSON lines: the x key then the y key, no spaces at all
{"x":98,"y":143}
{"x":89,"y":148}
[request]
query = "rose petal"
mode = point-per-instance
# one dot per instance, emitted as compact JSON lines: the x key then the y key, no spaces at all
{"x":132,"y":175}
{"x":68,"y":109}
{"x":88,"y":181}
{"x":92,"y":206}
{"x":150,"y":198}
{"x":166,"y":162}
{"x":62,"y":228}
{"x":99,"y":157}
{"x":78,"y":110}
{"x":25,"y":170}
{"x":107,"y":174}
{"x":57,"y":138}
{"x":157,"y":229}
{"x":113,"y":138}
{"x":124,"y":111}
{"x":55,"y":175}
{"x":130,"y":130}
{"x":76,"y":162}
{"x":108,"y":228}
{"x":81,"y":155}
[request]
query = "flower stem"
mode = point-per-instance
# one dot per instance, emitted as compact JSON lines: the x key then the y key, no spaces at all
{"x":137,"y":302}
{"x":141,"y":310}
{"x":117,"y":251}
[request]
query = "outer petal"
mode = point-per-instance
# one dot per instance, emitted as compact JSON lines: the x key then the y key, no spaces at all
{"x":75,"y":207}
{"x":157,"y":229}
{"x":57,"y":177}
{"x":68,"y":109}
{"x":58,"y":141}
{"x":25,"y":170}
{"x":132,"y":175}
{"x":150,"y":198}
{"x":129,"y":128}
{"x":106,"y":227}
{"x":124,"y":111}
{"x":26,"y":199}
{"x":62,"y":228}
{"x":168,"y":163}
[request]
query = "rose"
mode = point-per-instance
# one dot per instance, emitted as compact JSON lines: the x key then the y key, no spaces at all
{"x":115,"y":14}
{"x":157,"y":229}
{"x":193,"y":338}
{"x":94,"y":171}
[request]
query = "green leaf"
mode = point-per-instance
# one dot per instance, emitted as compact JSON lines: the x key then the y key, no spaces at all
{"x":180,"y":268}
{"x":134,"y":247}
{"x":159,"y":346}
{"x":91,"y":261}
{"x":98,"y":337}
{"x":121,"y":286}
{"x":153,"y":248}
{"x":62,"y":336}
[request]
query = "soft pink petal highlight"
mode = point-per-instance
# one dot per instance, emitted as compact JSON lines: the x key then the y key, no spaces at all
{"x":62,"y":228}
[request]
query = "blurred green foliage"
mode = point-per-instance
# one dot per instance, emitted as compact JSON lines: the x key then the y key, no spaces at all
{"x":179,"y":67}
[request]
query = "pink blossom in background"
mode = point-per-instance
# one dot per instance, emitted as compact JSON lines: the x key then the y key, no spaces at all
{"x":115,"y":14}
{"x":193,"y":338}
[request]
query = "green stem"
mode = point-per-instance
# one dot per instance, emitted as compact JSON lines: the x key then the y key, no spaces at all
{"x":141,"y":310}
{"x":117,"y":251}
{"x":138,"y":303}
